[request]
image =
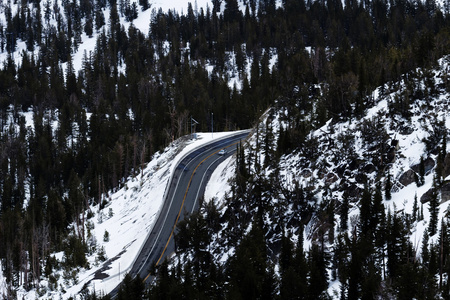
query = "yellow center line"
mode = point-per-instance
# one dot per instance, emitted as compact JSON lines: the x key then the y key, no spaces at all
{"x":182,"y":204}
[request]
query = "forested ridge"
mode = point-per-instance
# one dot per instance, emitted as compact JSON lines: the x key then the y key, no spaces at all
{"x":134,"y":94}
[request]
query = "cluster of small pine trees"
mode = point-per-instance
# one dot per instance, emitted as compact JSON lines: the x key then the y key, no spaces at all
{"x":246,"y":250}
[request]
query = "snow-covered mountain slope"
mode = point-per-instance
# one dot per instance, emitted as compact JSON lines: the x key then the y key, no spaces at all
{"x":87,"y":43}
{"x":337,"y":159}
{"x":397,"y":153}
{"x":116,"y":232}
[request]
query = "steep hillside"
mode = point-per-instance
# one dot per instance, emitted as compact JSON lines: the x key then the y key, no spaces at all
{"x":92,"y":90}
{"x":115,"y":230}
{"x":365,"y":199}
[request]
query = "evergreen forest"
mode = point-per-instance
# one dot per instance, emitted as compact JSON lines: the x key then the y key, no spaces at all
{"x":98,"y":125}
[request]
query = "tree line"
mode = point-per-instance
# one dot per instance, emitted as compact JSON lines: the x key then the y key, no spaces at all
{"x":135,"y":92}
{"x":253,"y":245}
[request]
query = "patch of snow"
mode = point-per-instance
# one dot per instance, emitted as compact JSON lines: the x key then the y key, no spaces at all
{"x":129,"y":216}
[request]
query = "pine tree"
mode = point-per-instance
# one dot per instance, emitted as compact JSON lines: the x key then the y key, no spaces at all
{"x":424,"y":249}
{"x":406,"y":284}
{"x":379,"y":225}
{"x":443,"y":250}
{"x":388,"y":187}
{"x":434,"y":211}
{"x":164,"y":283}
{"x":286,"y":254}
{"x":231,"y":12}
{"x":290,"y":278}
{"x":99,"y":17}
{"x":248,"y":268}
{"x":421,"y":171}
{"x":318,"y":276}
{"x":365,"y":212}
{"x":397,"y":244}
{"x":144,"y":4}
{"x":131,"y":288}
{"x":354,"y":271}
{"x":415,"y":211}
{"x":89,"y":27}
{"x":268,"y":144}
{"x":300,"y":265}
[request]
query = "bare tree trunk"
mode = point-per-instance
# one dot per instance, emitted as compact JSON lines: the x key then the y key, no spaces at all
{"x":441,"y":257}
{"x":83,"y":213}
{"x":168,"y":134}
{"x":35,"y":255}
{"x":134,"y":154}
{"x":172,"y":114}
{"x":120,"y":153}
{"x":99,"y":190}
{"x":23,"y":274}
{"x":142,"y":160}
{"x":150,"y":142}
{"x":181,"y":120}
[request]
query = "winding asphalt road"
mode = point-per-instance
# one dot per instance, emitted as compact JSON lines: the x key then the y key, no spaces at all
{"x":187,"y":186}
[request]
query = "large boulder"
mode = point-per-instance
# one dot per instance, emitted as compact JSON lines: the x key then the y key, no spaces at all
{"x":306,"y":173}
{"x":447,"y":165}
{"x":427,"y":196}
{"x":396,"y":187}
{"x":369,"y":168}
{"x":445,"y":192}
{"x":428,"y":163}
{"x":408,"y":177}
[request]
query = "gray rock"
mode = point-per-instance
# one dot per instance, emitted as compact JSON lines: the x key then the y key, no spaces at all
{"x":427,"y":196}
{"x":408,"y":177}
{"x":445,"y":192}
{"x":390,"y":156}
{"x":330,"y":178}
{"x":429,"y":164}
{"x":447,"y":165}
{"x":369,"y":168}
{"x":396,"y":187}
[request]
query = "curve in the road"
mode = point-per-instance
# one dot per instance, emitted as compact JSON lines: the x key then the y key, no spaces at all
{"x":150,"y":254}
{"x":184,"y":199}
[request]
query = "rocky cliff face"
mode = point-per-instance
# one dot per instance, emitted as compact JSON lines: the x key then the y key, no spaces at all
{"x":398,"y":154}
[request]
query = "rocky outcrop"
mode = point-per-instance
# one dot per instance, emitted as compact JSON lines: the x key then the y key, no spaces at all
{"x":447,"y":165}
{"x":396,"y":187}
{"x":445,"y":192}
{"x":428,"y":163}
{"x":352,"y":191}
{"x":330,"y":178}
{"x":390,"y":155}
{"x":369,"y":168}
{"x":427,"y":196}
{"x":408,"y":177}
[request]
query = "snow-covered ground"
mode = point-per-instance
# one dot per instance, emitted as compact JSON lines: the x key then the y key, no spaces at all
{"x":132,"y":210}
{"x":142,"y":22}
{"x":128,"y":218}
{"x":411,"y":147}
